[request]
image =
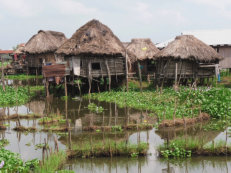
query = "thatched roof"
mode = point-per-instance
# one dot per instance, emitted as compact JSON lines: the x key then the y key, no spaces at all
{"x":189,"y":47}
{"x":44,"y":42}
{"x":93,"y":38}
{"x":19,"y":50}
{"x":142,"y":48}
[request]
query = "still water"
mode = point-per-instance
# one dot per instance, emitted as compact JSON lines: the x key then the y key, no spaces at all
{"x":76,"y":110}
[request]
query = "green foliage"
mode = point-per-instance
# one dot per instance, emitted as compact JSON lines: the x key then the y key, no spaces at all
{"x":188,"y":102}
{"x":40,"y":146}
{"x":4,"y":142}
{"x":94,"y":108}
{"x":117,"y":128}
{"x":23,"y":77}
{"x":175,"y":151}
{"x":12,"y":96}
{"x":13,"y":162}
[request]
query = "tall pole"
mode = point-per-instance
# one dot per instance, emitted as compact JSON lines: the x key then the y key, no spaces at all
{"x":3,"y":81}
{"x":126,"y":64}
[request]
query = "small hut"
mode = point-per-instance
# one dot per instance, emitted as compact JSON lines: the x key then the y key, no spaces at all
{"x":94,"y":52}
{"x":186,"y":58}
{"x":41,"y":47}
{"x":144,"y":50}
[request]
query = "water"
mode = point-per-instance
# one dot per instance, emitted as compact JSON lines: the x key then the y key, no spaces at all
{"x":77,"y":111}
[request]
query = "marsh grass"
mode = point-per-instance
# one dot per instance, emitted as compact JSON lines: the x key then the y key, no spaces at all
{"x":195,"y":147}
{"x":108,"y":149}
{"x":54,"y":162}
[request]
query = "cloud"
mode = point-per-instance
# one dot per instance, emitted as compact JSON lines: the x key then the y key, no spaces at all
{"x":71,"y":7}
{"x":21,"y":8}
{"x":143,"y":12}
{"x":222,"y":6}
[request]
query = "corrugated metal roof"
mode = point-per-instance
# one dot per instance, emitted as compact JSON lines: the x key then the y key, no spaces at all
{"x":6,"y":51}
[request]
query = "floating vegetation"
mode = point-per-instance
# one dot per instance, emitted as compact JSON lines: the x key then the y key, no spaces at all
{"x":56,"y":129}
{"x":4,"y":142}
{"x":20,"y":116}
{"x":40,"y":146}
{"x":22,"y":128}
{"x":19,"y":95}
{"x":108,"y":149}
{"x":11,"y":162}
{"x":186,"y":102}
{"x":94,"y":108}
{"x":193,"y":147}
{"x":143,"y":126}
{"x":23,"y":77}
{"x":52,"y":119}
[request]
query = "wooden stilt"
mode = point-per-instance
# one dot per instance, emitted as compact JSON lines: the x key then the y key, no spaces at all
{"x":47,"y":88}
{"x":109,"y":74}
{"x":126,"y":70}
{"x":140,"y":77}
{"x":65,"y":83}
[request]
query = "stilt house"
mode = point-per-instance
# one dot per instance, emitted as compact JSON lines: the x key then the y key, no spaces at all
{"x":145,"y":51}
{"x":186,"y":58}
{"x":41,"y":47}
{"x":93,"y":52}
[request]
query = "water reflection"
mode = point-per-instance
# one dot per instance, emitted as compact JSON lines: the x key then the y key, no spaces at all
{"x":81,"y":116}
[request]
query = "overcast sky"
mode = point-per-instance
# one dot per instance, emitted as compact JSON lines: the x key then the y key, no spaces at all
{"x":156,"y":19}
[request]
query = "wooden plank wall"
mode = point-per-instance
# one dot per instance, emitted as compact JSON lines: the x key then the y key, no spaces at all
{"x":116,"y":66}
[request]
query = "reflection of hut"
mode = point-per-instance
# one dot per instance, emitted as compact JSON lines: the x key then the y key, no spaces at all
{"x":37,"y":107}
{"x":144,"y":50}
{"x":194,"y":131}
{"x":94,"y":52}
{"x":41,"y":47}
{"x":186,"y":57}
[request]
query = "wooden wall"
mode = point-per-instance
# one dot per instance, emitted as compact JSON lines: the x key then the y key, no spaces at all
{"x":185,"y":69}
{"x":116,"y":66}
{"x":36,"y":60}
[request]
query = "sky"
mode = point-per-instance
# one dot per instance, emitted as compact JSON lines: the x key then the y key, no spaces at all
{"x":159,"y":20}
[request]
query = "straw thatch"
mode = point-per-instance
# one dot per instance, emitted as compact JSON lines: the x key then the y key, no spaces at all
{"x":19,"y":50}
{"x":142,"y":48}
{"x":44,"y":42}
{"x":189,"y":47}
{"x":93,"y":38}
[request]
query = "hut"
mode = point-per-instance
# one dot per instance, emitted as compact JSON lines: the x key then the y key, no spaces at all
{"x":41,"y":47}
{"x":186,"y":58}
{"x":144,"y":50}
{"x":94,"y":52}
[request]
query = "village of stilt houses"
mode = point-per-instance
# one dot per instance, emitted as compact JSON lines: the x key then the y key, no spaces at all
{"x":91,"y":103}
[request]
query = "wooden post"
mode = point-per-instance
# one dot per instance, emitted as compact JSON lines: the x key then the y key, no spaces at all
{"x":140,"y":76}
{"x":89,"y":76}
{"x":109,"y":74}
{"x":65,"y":80}
{"x":3,"y":81}
{"x":126,"y":70}
{"x":176,"y":74}
{"x":47,"y":88}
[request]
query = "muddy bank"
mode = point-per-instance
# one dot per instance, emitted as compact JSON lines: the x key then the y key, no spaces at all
{"x":20,"y":116}
{"x":185,"y":121}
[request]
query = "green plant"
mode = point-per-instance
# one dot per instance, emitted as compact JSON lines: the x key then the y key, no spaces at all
{"x":94,"y":108}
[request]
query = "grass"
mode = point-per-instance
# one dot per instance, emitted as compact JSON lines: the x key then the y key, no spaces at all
{"x":23,"y":77}
{"x":53,"y":163}
{"x":193,"y":147}
{"x":184,"y":103}
{"x":108,"y":149}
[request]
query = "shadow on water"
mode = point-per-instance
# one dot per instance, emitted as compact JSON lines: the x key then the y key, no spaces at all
{"x":77,"y":110}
